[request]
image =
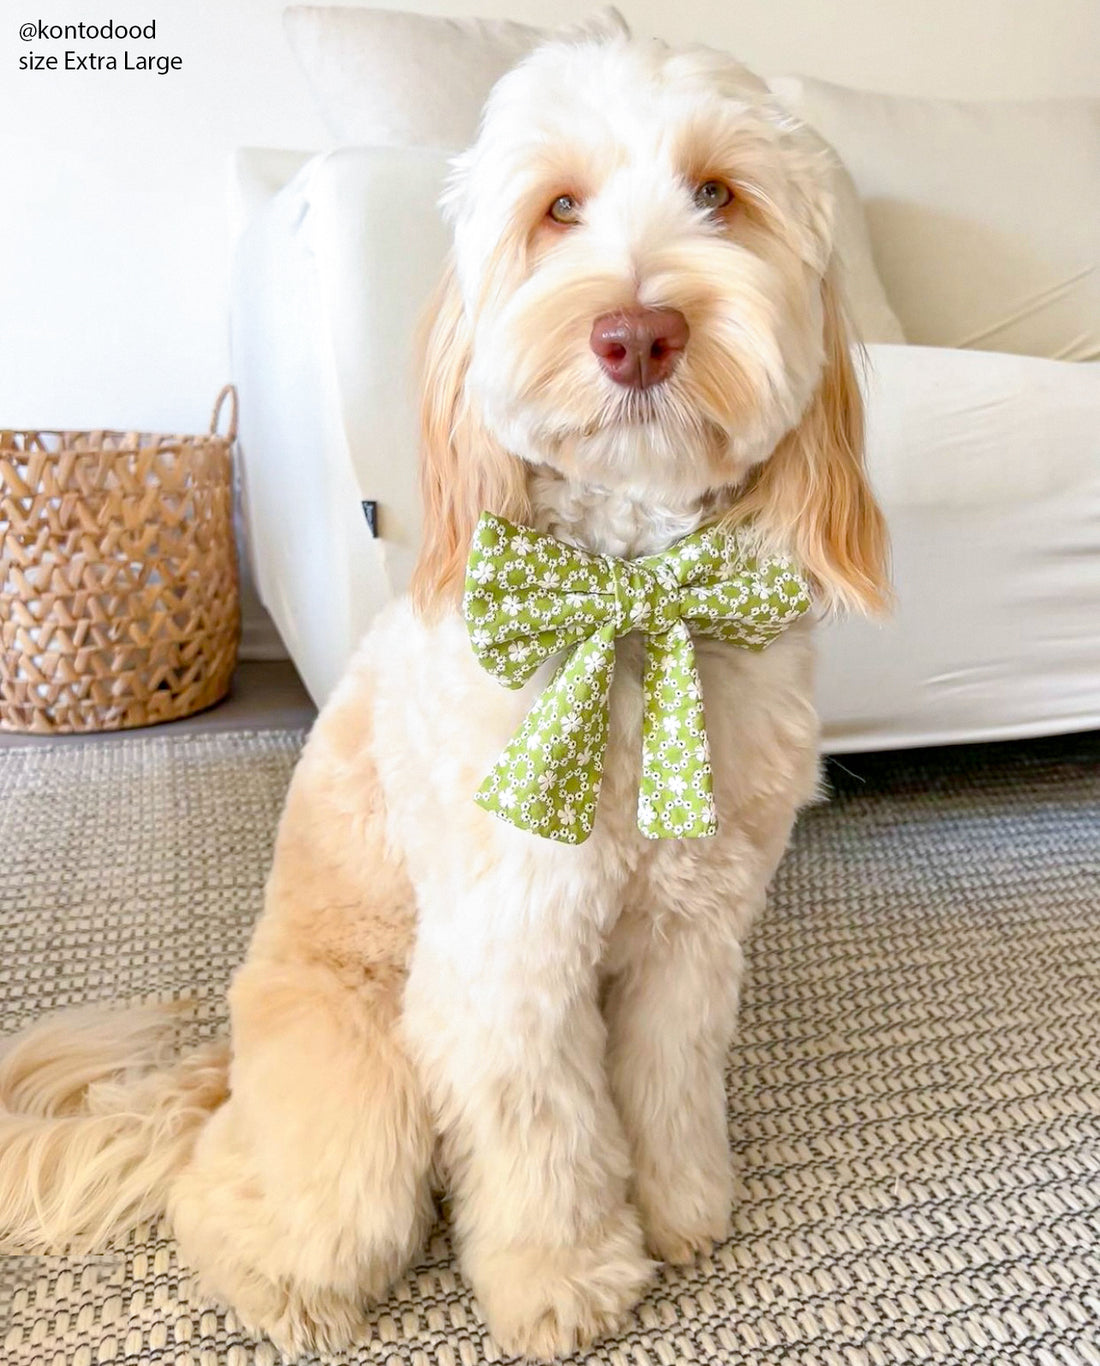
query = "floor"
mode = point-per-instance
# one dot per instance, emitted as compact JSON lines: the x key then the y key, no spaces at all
{"x":266,"y":695}
{"x":912,"y":1092}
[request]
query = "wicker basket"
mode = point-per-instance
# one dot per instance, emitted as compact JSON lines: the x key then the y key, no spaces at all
{"x":118,"y":577}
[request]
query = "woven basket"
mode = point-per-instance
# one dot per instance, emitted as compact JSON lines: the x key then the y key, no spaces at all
{"x":118,"y":577}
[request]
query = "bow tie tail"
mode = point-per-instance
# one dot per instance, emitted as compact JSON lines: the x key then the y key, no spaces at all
{"x":547,"y":781}
{"x":676,"y":797}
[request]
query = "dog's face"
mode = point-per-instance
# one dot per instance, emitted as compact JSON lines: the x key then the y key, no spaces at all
{"x":642,"y":298}
{"x":625,"y":199}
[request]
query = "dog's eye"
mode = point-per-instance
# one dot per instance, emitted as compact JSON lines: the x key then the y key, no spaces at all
{"x":712,"y":195}
{"x":565,"y":209}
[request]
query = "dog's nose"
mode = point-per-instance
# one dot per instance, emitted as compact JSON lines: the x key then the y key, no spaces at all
{"x":639,"y":347}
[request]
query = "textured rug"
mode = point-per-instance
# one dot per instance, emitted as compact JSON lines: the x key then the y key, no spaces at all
{"x":914,"y":1098}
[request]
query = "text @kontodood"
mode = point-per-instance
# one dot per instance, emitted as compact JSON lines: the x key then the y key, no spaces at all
{"x":38,"y":29}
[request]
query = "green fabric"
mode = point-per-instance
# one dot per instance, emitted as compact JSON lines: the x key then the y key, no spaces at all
{"x":529,"y":596}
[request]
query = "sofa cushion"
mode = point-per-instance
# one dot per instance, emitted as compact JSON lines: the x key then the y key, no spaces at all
{"x":366,"y":68}
{"x":984,"y":217}
{"x":388,"y":79}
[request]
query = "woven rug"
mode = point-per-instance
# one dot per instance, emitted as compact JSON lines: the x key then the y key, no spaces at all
{"x":914,"y":1098}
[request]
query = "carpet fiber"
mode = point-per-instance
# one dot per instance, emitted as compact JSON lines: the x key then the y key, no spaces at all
{"x":914,"y":1097}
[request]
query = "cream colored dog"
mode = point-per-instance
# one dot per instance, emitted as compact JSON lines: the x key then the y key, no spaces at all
{"x":640,"y":334}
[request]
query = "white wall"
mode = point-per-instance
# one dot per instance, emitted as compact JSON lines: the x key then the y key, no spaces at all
{"x":114,"y":232}
{"x":113,"y":239}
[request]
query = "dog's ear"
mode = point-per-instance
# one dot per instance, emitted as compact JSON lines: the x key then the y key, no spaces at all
{"x":813,"y":493}
{"x":464,"y":471}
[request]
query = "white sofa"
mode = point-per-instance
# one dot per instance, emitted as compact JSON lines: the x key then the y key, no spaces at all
{"x":987,"y":465}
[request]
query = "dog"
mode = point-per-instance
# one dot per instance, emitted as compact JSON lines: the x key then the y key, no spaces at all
{"x":639,"y":334}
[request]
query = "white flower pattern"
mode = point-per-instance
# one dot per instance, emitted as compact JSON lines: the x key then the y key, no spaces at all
{"x":540,"y":596}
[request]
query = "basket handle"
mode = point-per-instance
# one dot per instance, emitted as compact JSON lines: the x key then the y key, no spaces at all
{"x":228,"y":392}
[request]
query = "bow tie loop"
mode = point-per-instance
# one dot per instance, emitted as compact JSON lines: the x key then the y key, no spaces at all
{"x":642,"y":602}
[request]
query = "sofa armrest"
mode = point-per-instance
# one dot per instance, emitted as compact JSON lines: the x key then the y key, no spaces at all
{"x":329,"y":278}
{"x":988,"y":468}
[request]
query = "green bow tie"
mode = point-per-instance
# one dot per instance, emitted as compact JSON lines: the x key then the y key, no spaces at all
{"x":528,"y":596}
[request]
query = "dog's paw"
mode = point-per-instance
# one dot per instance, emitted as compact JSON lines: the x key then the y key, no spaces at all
{"x":297,"y":1319}
{"x":680,"y":1246}
{"x":683,"y":1219}
{"x":546,"y":1302}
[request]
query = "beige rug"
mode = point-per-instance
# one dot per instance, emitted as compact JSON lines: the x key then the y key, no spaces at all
{"x":914,"y":1100}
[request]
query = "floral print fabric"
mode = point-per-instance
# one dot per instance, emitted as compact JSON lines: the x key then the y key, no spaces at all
{"x":528,"y":597}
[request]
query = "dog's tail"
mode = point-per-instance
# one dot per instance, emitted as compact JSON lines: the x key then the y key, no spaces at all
{"x":96,"y":1120}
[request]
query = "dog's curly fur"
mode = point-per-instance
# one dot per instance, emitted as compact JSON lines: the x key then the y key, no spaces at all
{"x":428,"y":987}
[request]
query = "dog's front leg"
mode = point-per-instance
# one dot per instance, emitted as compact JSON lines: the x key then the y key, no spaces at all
{"x":502,"y":1015}
{"x":671,"y":1009}
{"x":674,"y":965}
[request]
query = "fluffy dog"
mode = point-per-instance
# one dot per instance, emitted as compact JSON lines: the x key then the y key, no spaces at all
{"x":639,"y":334}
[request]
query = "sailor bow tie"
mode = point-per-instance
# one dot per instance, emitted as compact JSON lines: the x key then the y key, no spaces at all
{"x":529,"y":596}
